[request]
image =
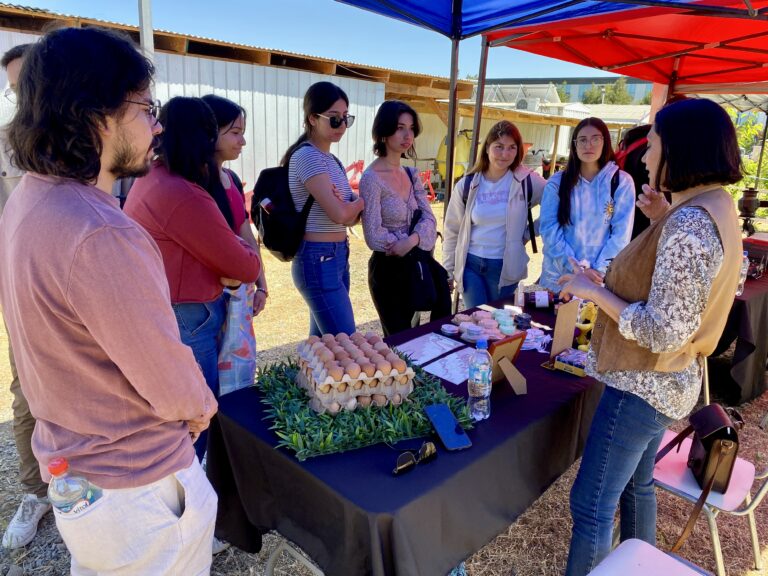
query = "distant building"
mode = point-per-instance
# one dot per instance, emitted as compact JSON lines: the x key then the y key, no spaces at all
{"x":574,"y":86}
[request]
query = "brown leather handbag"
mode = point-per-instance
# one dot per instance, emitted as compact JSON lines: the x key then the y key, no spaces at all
{"x":713,"y":453}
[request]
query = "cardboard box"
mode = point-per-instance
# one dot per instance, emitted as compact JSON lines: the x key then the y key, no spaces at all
{"x":572,"y":361}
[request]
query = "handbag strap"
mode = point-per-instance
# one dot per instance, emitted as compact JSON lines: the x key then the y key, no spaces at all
{"x":676,"y":441}
{"x":699,"y":503}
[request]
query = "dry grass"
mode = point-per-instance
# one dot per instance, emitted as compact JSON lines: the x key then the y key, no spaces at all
{"x":535,"y":545}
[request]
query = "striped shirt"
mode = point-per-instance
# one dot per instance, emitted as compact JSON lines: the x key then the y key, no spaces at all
{"x":309,"y":161}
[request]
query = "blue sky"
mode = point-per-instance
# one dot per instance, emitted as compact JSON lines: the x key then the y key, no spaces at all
{"x":320,"y":28}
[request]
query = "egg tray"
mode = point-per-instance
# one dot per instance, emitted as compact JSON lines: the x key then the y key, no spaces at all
{"x":327,"y":395}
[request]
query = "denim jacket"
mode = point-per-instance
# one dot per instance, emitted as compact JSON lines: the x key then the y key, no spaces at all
{"x":599,"y":228}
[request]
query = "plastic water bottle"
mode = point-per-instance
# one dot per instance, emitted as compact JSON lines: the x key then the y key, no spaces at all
{"x":743,"y":273}
{"x":479,"y":383}
{"x":70,"y":494}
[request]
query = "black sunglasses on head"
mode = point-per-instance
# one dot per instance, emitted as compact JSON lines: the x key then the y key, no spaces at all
{"x":337,"y":121}
{"x":409,"y":459}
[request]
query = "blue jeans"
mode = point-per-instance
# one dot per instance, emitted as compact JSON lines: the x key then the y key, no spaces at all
{"x":616,"y":469}
{"x":200,"y":328}
{"x":481,"y":281}
{"x":320,"y":273}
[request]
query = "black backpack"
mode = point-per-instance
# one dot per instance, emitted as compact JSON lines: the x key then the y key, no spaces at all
{"x":273,"y":212}
{"x":528,"y":188}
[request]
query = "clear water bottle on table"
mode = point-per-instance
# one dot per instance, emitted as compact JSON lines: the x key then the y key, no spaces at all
{"x":743,"y":273}
{"x":69,"y":494}
{"x":479,"y":383}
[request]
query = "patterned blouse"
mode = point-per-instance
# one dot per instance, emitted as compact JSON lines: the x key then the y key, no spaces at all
{"x":387,"y":217}
{"x":688,"y":258}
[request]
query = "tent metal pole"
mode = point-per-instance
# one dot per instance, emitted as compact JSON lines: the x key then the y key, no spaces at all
{"x":453,"y":106}
{"x":762,"y":151}
{"x":479,"y":101}
{"x":145,"y":29}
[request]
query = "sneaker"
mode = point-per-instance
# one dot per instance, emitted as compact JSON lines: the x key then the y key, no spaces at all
{"x":23,"y":526}
{"x":219,"y":545}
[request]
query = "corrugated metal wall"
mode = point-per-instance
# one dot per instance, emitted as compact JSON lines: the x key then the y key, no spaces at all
{"x":272,"y":98}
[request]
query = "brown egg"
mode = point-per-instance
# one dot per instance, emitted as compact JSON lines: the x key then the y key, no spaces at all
{"x":333,"y":407}
{"x":373,"y":382}
{"x":336,"y":373}
{"x":313,"y":339}
{"x":388,"y":381}
{"x":325,"y":388}
{"x":357,"y":338}
{"x":380,"y":347}
{"x":364,"y":401}
{"x":397,"y":399}
{"x":376,"y":357}
{"x":350,"y":404}
{"x":384,"y":366}
{"x":399,"y":365}
{"x":360,"y":358}
{"x":341,"y":336}
{"x":342,"y":387}
{"x":353,"y":369}
{"x":357,"y":384}
{"x":373,"y":340}
{"x":341,"y":355}
{"x":346,"y":362}
{"x":402,"y":379}
{"x":336,"y":349}
{"x":330,"y":364}
{"x":368,"y":369}
{"x":328,"y":339}
{"x":317,"y":346}
{"x":391,"y":357}
{"x":371,"y":334}
{"x":324,"y":355}
{"x":379,"y":399}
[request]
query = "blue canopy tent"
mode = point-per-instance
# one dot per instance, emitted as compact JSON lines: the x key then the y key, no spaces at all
{"x":461,"y":19}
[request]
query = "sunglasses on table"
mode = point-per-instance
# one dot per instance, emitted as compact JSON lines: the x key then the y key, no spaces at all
{"x":409,"y":459}
{"x":337,"y":121}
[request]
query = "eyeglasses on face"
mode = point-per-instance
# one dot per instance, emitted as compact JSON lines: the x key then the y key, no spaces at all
{"x":10,"y":95}
{"x":408,"y":460}
{"x":152,"y":106}
{"x":337,"y":121}
{"x":595,"y":140}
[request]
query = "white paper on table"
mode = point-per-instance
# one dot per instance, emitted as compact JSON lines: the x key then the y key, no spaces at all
{"x":453,"y":368}
{"x":427,"y":347}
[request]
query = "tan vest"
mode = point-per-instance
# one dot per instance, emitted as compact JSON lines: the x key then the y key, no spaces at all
{"x":629,"y":277}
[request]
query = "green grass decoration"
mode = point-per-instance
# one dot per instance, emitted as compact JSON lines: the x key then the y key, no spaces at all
{"x":310,"y":434}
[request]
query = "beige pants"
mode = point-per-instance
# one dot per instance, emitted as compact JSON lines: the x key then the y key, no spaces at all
{"x":163,"y":528}
{"x":23,"y":426}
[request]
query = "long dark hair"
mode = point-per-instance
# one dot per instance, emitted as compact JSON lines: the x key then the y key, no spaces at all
{"x":71,"y":81}
{"x":225,"y":110}
{"x":319,"y":98}
{"x":573,"y":169}
{"x":385,"y":125}
{"x":497,"y":131}
{"x":187,"y":146}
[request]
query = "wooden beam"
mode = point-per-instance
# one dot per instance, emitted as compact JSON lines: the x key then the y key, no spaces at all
{"x":441,"y":112}
{"x":175,"y":44}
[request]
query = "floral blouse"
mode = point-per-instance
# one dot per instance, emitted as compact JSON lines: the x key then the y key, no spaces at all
{"x":387,"y":217}
{"x":689,"y":256}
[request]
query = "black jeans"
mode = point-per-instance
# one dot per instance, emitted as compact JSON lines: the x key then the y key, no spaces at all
{"x":388,"y":282}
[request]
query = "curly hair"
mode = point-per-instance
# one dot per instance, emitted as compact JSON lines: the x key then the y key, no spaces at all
{"x":71,"y":81}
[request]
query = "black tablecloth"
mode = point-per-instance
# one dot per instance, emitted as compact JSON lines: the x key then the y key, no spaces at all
{"x":353,"y":517}
{"x":748,"y":326}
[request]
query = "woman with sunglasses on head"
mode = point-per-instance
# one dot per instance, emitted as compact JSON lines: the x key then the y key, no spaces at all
{"x":398,"y":219}
{"x":487,"y":227}
{"x":588,"y":208}
{"x":230,"y":117}
{"x":661,"y":313}
{"x":184,"y":207}
{"x":320,"y":268}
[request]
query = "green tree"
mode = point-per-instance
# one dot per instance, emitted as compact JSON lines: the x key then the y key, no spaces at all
{"x":593,"y":95}
{"x":646,"y":99}
{"x":617,"y":93}
{"x":562,"y":92}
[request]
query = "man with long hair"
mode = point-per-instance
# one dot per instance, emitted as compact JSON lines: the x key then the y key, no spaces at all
{"x":86,"y":302}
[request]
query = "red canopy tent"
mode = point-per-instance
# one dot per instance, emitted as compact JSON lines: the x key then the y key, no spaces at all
{"x":686,"y":50}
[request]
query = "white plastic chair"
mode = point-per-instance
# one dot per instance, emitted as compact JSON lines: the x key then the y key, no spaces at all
{"x":638,"y":558}
{"x":672,"y":474}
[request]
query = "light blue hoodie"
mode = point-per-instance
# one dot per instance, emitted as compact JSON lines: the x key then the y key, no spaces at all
{"x":595,"y":234}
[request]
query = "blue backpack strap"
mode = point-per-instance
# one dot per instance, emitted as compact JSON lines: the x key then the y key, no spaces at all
{"x":465,"y":188}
